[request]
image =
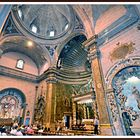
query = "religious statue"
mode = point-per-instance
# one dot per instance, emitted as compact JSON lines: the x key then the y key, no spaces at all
{"x":40,"y":109}
{"x":127,"y":123}
{"x":136,"y":94}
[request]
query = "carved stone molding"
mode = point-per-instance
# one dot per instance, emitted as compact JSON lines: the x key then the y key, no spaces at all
{"x":113,"y":100}
{"x":132,"y":61}
{"x":51,"y":79}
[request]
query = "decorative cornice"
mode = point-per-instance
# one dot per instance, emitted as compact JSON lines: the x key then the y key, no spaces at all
{"x":90,"y":42}
{"x":51,"y":75}
{"x":91,"y":46}
{"x":93,"y":55}
{"x":56,"y":75}
{"x":17,"y":74}
{"x":119,"y":25}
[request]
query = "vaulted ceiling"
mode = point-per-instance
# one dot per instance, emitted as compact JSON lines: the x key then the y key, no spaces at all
{"x":50,"y":27}
{"x":25,"y":46}
{"x":45,"y":18}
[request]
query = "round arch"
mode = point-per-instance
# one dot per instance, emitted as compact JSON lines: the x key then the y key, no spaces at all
{"x":24,"y":45}
{"x":15,"y":92}
{"x":116,"y":95}
{"x":12,"y":102}
{"x":60,"y":48}
{"x":132,"y":61}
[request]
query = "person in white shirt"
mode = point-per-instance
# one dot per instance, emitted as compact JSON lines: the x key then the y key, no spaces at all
{"x":96,"y":123}
{"x":19,"y":133}
{"x":13,"y":131}
{"x":41,"y":130}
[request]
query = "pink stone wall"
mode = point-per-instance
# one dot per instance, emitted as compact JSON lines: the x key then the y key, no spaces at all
{"x":27,"y":88}
{"x":44,"y":68}
{"x":42,"y":88}
{"x":10,"y":60}
{"x":108,"y":17}
{"x":131,"y":35}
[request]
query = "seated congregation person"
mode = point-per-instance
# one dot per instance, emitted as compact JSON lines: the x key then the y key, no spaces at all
{"x":41,"y":129}
{"x":3,"y":131}
{"x":29,"y":131}
{"x":13,"y":131}
{"x":19,"y":133}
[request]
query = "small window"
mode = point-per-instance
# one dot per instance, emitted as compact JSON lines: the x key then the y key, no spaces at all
{"x":20,"y":13}
{"x":66,"y":27}
{"x":20,"y":64}
{"x":51,"y":33}
{"x":34,"y":29}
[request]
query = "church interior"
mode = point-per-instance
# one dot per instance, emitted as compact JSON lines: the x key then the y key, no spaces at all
{"x":63,"y":65}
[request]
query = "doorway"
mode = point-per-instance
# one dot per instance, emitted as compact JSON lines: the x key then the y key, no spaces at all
{"x":67,"y":121}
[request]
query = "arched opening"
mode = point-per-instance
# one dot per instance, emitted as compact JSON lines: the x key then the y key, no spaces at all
{"x":73,"y":61}
{"x":127,"y":94}
{"x":12,"y":105}
{"x":73,"y":57}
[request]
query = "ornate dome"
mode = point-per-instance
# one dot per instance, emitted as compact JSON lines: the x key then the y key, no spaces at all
{"x":44,"y":21}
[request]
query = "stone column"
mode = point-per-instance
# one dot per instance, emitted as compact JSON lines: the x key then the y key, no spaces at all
{"x":98,"y":80}
{"x":85,"y":112}
{"x":35,"y":102}
{"x":50,"y":102}
{"x":70,"y":122}
{"x":74,"y":112}
{"x":95,"y":108}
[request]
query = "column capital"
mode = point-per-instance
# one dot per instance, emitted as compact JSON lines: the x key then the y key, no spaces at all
{"x":91,"y":46}
{"x":93,"y":54}
{"x":51,"y":79}
{"x":51,"y":76}
{"x":91,"y":42}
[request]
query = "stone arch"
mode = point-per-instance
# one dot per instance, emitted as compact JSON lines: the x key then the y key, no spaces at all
{"x":73,"y":44}
{"x":115,"y":109}
{"x":132,"y":61}
{"x":12,"y":104}
{"x":42,"y":54}
{"x":60,"y":48}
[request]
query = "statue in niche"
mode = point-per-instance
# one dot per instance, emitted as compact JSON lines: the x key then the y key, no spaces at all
{"x":40,"y":110}
{"x":127,"y":123}
{"x":136,"y":94}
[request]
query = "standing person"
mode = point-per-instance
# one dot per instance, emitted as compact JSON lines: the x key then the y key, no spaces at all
{"x":96,"y":123}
